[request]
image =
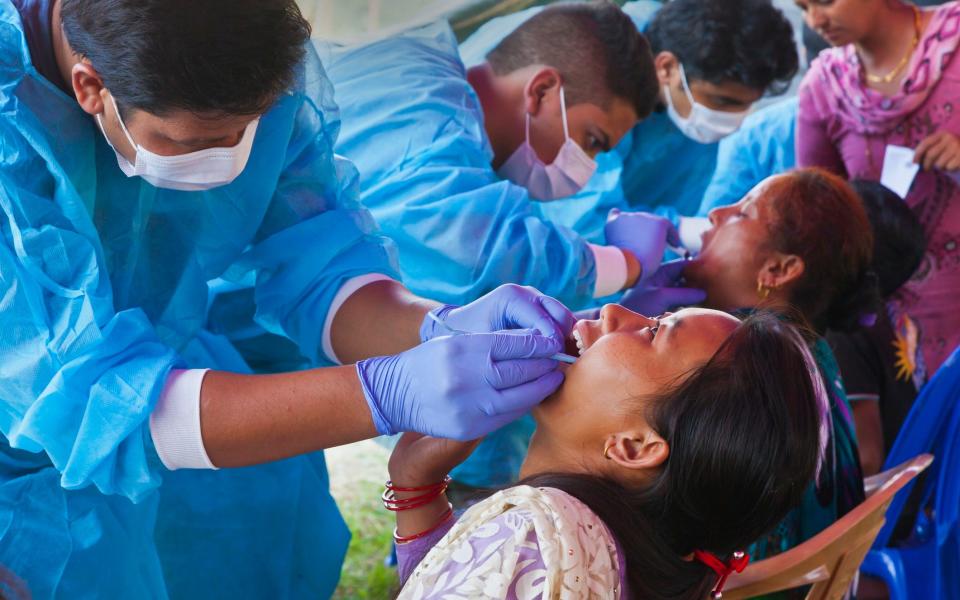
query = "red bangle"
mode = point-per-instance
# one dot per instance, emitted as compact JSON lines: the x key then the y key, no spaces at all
{"x":392,"y":503}
{"x":409,"y":538}
{"x":423,"y":488}
{"x":410,"y":504}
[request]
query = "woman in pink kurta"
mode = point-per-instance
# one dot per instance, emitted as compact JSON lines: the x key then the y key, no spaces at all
{"x":850,"y":113}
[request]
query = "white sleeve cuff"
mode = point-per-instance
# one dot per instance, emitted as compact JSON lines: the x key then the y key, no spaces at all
{"x":611,"y":270}
{"x":346,"y":290}
{"x":691,"y":228}
{"x":175,"y":422}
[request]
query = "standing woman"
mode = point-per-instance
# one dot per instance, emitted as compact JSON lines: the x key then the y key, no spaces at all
{"x":891,"y":79}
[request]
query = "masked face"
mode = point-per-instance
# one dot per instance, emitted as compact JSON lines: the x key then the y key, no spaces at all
{"x":566,"y":175}
{"x":702,"y":124}
{"x":199,"y":170}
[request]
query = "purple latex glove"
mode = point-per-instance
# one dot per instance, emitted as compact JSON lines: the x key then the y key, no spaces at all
{"x":662,"y":292}
{"x":507,"y":307}
{"x":460,"y":387}
{"x":644,"y":234}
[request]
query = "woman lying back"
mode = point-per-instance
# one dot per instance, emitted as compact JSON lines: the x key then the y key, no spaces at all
{"x":673,"y":444}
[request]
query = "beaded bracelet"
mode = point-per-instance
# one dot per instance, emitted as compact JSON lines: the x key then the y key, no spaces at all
{"x":409,"y":538}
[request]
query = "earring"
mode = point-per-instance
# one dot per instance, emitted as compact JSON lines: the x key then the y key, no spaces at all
{"x":762,"y":290}
{"x":606,"y":452}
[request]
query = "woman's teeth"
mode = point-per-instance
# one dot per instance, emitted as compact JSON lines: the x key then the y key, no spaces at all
{"x":579,"y":341}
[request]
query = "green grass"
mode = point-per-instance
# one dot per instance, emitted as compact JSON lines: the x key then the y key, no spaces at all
{"x":364,"y":576}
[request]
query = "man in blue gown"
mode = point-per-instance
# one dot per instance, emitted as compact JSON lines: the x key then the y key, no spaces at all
{"x":156,"y":158}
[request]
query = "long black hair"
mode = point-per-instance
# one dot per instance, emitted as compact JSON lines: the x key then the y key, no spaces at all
{"x":745,"y":433}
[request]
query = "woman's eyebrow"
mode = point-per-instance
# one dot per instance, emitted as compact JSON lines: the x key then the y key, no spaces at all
{"x":673,"y":324}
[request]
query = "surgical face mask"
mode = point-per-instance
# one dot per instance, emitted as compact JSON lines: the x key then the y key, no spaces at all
{"x":193,"y":172}
{"x":704,"y":125}
{"x":565,"y":176}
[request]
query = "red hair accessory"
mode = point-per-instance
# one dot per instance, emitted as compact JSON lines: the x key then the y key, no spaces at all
{"x":738,"y":562}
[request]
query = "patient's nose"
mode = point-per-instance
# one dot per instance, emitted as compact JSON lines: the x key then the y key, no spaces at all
{"x":614,"y":317}
{"x":718,"y":215}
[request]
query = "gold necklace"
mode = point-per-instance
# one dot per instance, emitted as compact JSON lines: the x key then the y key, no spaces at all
{"x":906,"y":57}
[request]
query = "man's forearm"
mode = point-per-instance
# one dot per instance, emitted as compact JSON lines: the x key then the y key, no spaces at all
{"x":379,"y":319}
{"x":252,"y":419}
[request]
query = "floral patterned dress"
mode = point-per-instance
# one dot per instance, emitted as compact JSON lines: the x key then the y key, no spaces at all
{"x":522,"y":543}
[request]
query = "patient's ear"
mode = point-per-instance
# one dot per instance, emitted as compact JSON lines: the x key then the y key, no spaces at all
{"x":781,"y":270}
{"x":546,"y":81}
{"x":641,"y":450}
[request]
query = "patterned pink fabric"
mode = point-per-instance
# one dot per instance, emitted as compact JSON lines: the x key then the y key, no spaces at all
{"x":845,"y":126}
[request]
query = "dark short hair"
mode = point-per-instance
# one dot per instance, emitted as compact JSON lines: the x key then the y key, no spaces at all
{"x":723,"y":486}
{"x":597,"y":49}
{"x":748,"y":42}
{"x":899,"y":241}
{"x":233,"y":57}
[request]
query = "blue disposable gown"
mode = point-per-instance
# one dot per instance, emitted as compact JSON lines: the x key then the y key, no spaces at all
{"x":654,"y":168}
{"x":103,"y":290}
{"x":762,"y":147}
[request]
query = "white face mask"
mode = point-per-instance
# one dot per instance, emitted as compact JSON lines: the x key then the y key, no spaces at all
{"x":193,"y":172}
{"x":704,"y":125}
{"x":565,"y":176}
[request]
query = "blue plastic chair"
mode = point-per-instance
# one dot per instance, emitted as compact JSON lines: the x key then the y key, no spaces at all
{"x":927,"y":565}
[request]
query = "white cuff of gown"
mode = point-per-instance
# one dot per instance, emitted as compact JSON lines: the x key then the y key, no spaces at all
{"x":611,"y":270}
{"x":346,"y":290}
{"x":690,"y":229}
{"x":175,"y":422}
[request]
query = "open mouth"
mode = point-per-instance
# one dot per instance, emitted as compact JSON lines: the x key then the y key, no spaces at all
{"x":578,"y":338}
{"x":584,"y":335}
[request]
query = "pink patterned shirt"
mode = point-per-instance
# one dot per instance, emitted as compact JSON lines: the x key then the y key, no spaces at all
{"x":844,"y":126}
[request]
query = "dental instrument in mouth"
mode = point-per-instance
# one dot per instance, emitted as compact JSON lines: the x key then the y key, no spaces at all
{"x":564,"y":358}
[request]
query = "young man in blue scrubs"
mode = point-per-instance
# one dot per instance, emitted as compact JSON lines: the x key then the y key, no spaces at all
{"x":153,"y":152}
{"x":456,"y":166}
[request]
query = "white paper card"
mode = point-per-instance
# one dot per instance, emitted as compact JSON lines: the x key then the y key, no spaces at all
{"x":899,"y":170}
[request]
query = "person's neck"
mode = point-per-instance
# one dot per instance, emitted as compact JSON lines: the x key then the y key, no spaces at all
{"x":891,"y":37}
{"x":499,"y":104}
{"x":543,"y":456}
{"x":62,"y":51}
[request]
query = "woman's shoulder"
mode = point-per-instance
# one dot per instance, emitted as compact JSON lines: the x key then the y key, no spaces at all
{"x":829,"y":65}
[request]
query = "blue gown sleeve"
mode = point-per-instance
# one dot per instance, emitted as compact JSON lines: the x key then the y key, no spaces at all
{"x":315,"y":236}
{"x":762,"y":147}
{"x":458,"y":245}
{"x":78,"y":380}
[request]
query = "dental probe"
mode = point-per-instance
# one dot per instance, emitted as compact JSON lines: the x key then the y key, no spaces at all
{"x":564,"y":358}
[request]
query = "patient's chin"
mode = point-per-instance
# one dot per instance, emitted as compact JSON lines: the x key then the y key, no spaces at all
{"x":695,"y":273}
